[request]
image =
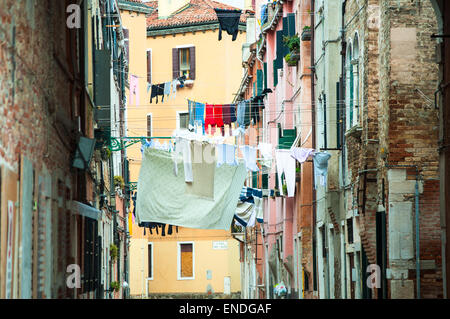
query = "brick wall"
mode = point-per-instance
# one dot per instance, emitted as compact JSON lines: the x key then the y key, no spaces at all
{"x":399,"y":125}
{"x":37,"y":111}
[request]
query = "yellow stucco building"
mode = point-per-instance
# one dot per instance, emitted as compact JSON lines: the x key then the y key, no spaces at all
{"x":176,"y":38}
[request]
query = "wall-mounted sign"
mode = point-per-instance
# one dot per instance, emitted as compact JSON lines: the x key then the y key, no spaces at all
{"x":222,"y":244}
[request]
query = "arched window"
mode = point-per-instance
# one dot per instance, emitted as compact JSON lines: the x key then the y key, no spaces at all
{"x":349,"y":91}
{"x":355,"y":72}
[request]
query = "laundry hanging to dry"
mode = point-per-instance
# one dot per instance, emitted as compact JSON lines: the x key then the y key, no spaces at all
{"x":164,"y":197}
{"x":228,"y":21}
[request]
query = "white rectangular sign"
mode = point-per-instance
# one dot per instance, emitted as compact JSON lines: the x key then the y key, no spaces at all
{"x":223,"y":244}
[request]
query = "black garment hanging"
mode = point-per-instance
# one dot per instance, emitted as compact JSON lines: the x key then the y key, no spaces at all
{"x":228,"y":21}
{"x":257,"y":104}
{"x":156,"y":227}
{"x":163,"y":229}
{"x":254,"y":112}
{"x":157,"y":89}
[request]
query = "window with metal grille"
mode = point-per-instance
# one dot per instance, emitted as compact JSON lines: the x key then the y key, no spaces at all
{"x":183,"y":120}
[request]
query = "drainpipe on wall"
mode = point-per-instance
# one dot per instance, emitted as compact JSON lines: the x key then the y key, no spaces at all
{"x":313,"y":121}
{"x":266,"y":264}
{"x":416,"y":198}
{"x":342,"y":142}
{"x":245,"y":266}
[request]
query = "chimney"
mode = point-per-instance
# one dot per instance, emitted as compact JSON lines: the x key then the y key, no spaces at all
{"x":168,"y":7}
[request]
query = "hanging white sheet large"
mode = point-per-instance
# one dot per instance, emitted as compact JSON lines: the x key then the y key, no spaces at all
{"x":162,"y":195}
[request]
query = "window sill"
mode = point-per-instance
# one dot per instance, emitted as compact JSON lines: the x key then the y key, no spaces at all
{"x":354,"y":131}
{"x":188,"y":83}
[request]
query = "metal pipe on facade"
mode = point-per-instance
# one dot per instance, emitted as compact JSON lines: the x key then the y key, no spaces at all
{"x":416,"y":198}
{"x":344,"y":2}
{"x":313,"y":117}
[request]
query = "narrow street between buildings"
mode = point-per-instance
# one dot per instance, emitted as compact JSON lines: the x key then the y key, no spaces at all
{"x":228,"y":149}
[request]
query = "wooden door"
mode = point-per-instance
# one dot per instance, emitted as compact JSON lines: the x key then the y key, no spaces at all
{"x":8,"y":199}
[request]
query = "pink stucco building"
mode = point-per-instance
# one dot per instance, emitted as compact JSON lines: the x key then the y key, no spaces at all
{"x":280,"y":249}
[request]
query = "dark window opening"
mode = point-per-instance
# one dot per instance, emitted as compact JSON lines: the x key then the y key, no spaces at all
{"x":150,"y":261}
{"x":350,"y":230}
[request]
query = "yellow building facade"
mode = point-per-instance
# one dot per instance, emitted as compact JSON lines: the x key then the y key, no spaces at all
{"x":189,"y":261}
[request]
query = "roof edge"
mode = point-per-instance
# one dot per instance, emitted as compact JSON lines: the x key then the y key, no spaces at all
{"x":188,"y":27}
{"x":134,"y":6}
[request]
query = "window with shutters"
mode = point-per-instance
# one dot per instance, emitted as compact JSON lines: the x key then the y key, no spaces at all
{"x":150,"y":261}
{"x":185,"y":260}
{"x":149,"y":66}
{"x":183,"y":62}
{"x":149,"y":125}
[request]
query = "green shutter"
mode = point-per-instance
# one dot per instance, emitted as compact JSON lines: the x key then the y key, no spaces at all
{"x":265,"y":181}
{"x":338,"y":115}
{"x":259,"y":82}
{"x":285,"y":34}
{"x":280,"y":48}
{"x":288,"y":138}
{"x":275,"y":73}
{"x":291,"y":24}
{"x":276,"y":181}
{"x":351,"y":95}
{"x":255,"y":179}
{"x":265,"y":75}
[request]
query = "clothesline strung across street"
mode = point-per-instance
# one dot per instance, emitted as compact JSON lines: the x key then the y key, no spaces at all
{"x":253,"y":126}
{"x":248,"y":15}
{"x":259,"y":128}
{"x":165,"y":89}
{"x":261,"y":105}
{"x":201,"y":179}
{"x":156,"y":175}
{"x":172,"y":117}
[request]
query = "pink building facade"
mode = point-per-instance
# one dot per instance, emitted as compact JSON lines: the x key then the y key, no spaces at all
{"x":280,"y":248}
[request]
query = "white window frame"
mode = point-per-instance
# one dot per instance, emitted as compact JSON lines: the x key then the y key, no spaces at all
{"x":356,"y":90}
{"x":179,"y":260}
{"x":349,"y":54}
{"x":184,"y":46}
{"x":153,"y":263}
{"x":178,"y":120}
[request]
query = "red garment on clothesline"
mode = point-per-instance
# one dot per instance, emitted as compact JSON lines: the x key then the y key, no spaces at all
{"x":218,"y":117}
{"x":209,"y":116}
